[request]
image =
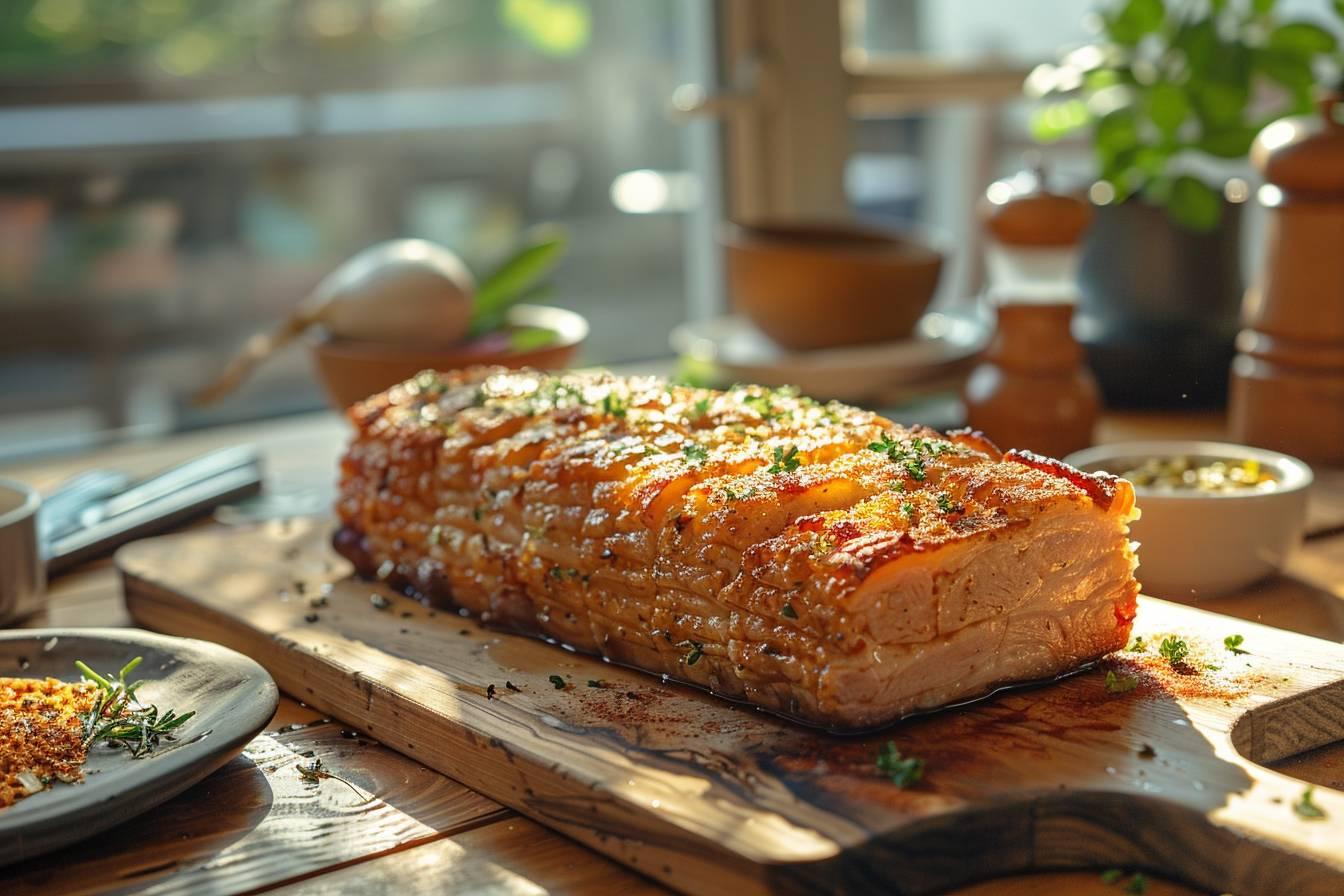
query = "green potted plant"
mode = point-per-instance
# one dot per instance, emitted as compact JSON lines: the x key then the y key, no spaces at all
{"x":1172,"y":93}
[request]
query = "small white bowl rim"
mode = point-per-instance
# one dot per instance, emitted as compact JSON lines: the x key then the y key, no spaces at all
{"x":1294,"y":475}
{"x":31,"y":501}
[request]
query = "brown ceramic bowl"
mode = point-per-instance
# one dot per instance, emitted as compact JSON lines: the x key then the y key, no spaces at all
{"x":352,"y":370}
{"x":811,"y":286}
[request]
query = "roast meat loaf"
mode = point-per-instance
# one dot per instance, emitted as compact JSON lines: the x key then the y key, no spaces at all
{"x":813,"y":559}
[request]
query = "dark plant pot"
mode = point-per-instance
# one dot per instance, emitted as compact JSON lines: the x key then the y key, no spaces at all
{"x":1160,"y":307}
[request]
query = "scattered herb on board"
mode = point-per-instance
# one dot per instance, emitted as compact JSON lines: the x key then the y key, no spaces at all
{"x":1120,"y":684}
{"x":1174,"y":650}
{"x":695,"y":453}
{"x":119,"y":719}
{"x":557,"y":682}
{"x":1233,"y":644}
{"x":379,"y":602}
{"x":693,"y":655}
{"x":785,"y":461}
{"x":903,"y":770}
{"x":1306,"y":807}
{"x":316,"y":773}
{"x":788,"y":612}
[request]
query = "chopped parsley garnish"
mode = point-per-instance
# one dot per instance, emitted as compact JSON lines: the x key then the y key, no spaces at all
{"x":1111,"y":876}
{"x":911,"y":454}
{"x":693,"y":656}
{"x":1120,"y":684}
{"x":695,"y":453}
{"x":823,"y":546}
{"x":785,"y":461}
{"x":730,"y":494}
{"x":1233,"y":643}
{"x":1174,"y":650}
{"x":614,"y":405}
{"x":1137,"y":886}
{"x":945,"y":503}
{"x":1138,"y":645}
{"x":903,"y":770}
{"x":1306,"y":806}
{"x":701,"y":409}
{"x":907,"y":510}
{"x":788,"y":612}
{"x":556,"y":681}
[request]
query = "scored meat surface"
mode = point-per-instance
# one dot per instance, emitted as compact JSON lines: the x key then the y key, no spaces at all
{"x":813,"y":559}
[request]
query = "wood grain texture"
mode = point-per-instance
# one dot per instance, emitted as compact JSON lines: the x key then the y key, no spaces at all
{"x":663,"y":777}
{"x":258,"y":822}
{"x":506,"y":858}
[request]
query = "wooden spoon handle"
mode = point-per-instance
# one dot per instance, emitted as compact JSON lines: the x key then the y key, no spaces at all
{"x":257,"y":349}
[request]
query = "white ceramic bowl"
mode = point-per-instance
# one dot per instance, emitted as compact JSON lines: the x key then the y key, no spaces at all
{"x":1194,"y":544}
{"x":22,"y":579}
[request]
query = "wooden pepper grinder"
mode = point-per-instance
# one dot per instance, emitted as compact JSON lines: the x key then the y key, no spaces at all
{"x":1032,"y":389}
{"x":1287,"y":389}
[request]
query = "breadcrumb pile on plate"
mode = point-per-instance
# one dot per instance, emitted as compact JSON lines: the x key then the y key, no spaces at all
{"x":41,"y":736}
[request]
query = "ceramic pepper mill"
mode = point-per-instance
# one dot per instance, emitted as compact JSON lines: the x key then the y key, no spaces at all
{"x":1287,"y":388}
{"x":1032,"y":389}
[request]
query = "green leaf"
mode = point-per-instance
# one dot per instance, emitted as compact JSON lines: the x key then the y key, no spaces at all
{"x":1199,"y":42}
{"x":529,"y":338}
{"x":1285,"y":67}
{"x":1168,"y":106}
{"x":1339,"y":8}
{"x":521,"y":272}
{"x":1136,"y":19}
{"x":1056,"y":120}
{"x":1262,"y":7}
{"x":489,"y":321}
{"x":1194,"y":205}
{"x":1218,"y":105}
{"x":1116,"y":133}
{"x":1304,"y":38}
{"x":1232,"y":143}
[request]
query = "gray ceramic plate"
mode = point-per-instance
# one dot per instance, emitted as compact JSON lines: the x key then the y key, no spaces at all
{"x":233,"y":698}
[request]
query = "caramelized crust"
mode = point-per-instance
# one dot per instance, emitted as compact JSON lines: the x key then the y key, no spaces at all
{"x":753,"y":542}
{"x":40,"y":733}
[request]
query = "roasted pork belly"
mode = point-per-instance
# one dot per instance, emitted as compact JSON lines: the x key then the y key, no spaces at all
{"x":813,"y":559}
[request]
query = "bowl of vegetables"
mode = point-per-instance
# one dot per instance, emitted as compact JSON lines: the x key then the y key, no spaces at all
{"x":1214,"y":517}
{"x":409,"y":305}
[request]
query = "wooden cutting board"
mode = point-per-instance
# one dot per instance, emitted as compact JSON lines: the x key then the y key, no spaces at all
{"x":707,"y":796}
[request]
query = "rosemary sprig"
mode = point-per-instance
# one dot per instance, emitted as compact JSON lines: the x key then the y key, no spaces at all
{"x":119,"y":719}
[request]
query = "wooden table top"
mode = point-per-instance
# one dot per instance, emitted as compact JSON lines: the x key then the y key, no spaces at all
{"x":256,"y":826}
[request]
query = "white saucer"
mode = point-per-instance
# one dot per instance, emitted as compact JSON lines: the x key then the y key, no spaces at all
{"x":935,"y":358}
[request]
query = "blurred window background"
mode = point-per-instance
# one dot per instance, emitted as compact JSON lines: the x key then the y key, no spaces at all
{"x":177,"y":174}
